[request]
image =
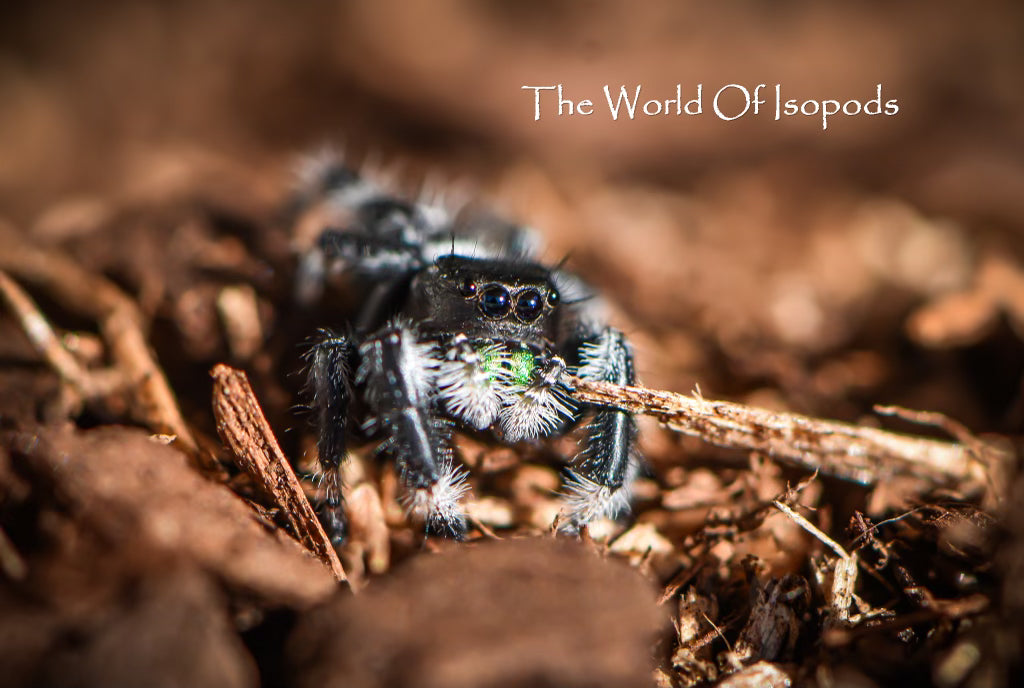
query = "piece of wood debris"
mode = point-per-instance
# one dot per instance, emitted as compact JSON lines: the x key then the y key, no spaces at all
{"x":840,"y":594}
{"x":12,"y":564}
{"x":120,"y":323}
{"x":772,"y":629}
{"x":368,"y":546}
{"x":962,"y":318}
{"x":238,"y":308}
{"x":692,"y":660}
{"x":244,"y":428}
{"x":760,"y":675}
{"x":863,"y":454}
{"x":88,"y":384}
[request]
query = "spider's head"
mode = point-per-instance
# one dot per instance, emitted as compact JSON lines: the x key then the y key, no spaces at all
{"x":487,"y":298}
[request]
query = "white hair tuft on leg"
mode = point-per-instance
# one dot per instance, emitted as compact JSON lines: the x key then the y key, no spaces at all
{"x":440,"y":501}
{"x":597,"y":358}
{"x":538,"y":410}
{"x":587,"y":500}
{"x":417,"y":361}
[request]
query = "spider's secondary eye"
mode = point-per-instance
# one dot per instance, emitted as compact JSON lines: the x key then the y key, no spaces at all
{"x":495,"y":302}
{"x":553,"y":297}
{"x":529,"y":305}
{"x":467,"y":287}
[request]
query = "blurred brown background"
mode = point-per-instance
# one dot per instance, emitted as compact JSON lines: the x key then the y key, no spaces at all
{"x":742,"y":255}
{"x":87,"y":91}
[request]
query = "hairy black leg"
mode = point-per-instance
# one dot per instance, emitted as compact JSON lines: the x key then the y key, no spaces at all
{"x":375,"y":255}
{"x":600,"y":485}
{"x":386,"y":260}
{"x":330,"y":385}
{"x":363,"y":229}
{"x":400,"y":377}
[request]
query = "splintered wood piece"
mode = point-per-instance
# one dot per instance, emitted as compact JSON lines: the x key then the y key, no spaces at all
{"x":243,"y":427}
{"x":866,"y":455}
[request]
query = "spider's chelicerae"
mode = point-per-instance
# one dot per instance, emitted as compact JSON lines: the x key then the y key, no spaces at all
{"x":460,"y":326}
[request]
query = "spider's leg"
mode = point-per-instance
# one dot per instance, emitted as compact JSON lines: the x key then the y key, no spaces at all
{"x":400,"y":377}
{"x":609,"y":462}
{"x":331,"y":388}
{"x":346,"y":223}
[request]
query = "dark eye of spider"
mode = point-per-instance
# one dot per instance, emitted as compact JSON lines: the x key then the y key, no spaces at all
{"x":495,"y":301}
{"x":529,"y":305}
{"x":467,"y":288}
{"x":553,"y":298}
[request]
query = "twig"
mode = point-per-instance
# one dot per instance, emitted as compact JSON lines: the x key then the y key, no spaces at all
{"x":812,"y":529}
{"x":844,"y":572}
{"x":866,"y":455}
{"x":992,"y":459}
{"x":120,"y":323}
{"x":244,"y":428}
{"x":950,"y":609}
{"x":88,"y":384}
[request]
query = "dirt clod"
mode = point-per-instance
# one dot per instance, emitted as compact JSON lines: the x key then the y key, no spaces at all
{"x":513,"y":613}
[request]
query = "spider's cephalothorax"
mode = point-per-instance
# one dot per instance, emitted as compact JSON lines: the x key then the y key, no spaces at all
{"x":459,"y":327}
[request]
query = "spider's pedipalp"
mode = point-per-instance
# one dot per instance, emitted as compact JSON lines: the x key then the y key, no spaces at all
{"x":475,"y":382}
{"x":540,"y":406}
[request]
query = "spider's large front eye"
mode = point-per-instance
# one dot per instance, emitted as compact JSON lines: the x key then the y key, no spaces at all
{"x":529,"y":305}
{"x":495,"y":301}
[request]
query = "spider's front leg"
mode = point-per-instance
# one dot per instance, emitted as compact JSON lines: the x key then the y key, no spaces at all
{"x":400,"y":375}
{"x":330,"y":383}
{"x":609,"y":461}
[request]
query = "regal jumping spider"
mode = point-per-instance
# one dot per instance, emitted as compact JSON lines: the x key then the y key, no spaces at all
{"x":459,"y":326}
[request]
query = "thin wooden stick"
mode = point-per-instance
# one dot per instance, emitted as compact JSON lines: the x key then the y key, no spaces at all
{"x":863,"y":454}
{"x":89,"y":384}
{"x":244,"y":428}
{"x":120,"y":323}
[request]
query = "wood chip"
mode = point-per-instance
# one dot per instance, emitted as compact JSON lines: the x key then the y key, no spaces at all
{"x":243,"y":427}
